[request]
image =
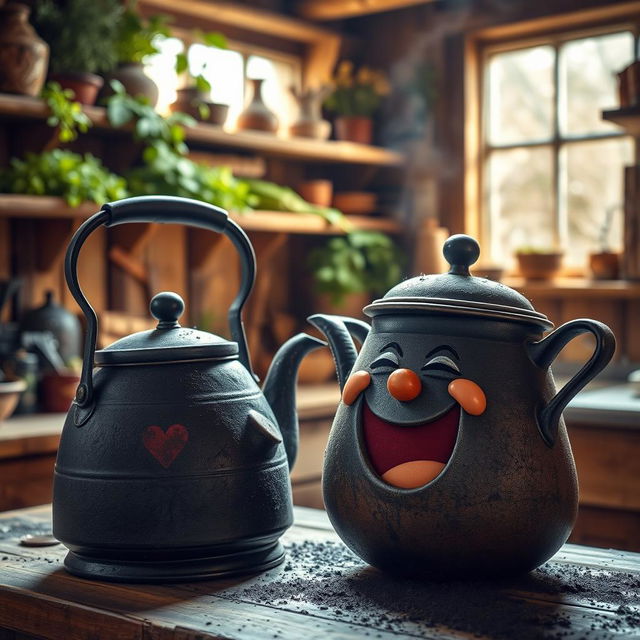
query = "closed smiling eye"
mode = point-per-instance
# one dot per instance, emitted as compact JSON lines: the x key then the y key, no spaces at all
{"x":385,"y":362}
{"x":441,"y":363}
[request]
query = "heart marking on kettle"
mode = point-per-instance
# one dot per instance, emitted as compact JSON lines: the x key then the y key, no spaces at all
{"x":165,"y":446}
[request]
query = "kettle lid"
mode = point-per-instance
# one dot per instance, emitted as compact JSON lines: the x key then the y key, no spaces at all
{"x":168,"y":342}
{"x":458,"y":292}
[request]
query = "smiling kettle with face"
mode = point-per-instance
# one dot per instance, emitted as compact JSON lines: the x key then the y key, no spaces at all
{"x":448,"y":455}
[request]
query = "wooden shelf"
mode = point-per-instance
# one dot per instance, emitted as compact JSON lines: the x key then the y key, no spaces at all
{"x":24,"y":107}
{"x":26,"y":206}
{"x":576,"y":288}
{"x":628,"y":118}
{"x":339,"y":9}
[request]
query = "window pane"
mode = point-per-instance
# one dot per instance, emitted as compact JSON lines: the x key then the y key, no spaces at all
{"x":588,"y":82}
{"x":161,"y":68}
{"x":278,"y":78}
{"x":593,"y":188}
{"x":223,"y":69}
{"x":520,"y":201}
{"x":520,"y":96}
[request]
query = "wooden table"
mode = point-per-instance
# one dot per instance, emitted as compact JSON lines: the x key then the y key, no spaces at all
{"x":321,"y":591}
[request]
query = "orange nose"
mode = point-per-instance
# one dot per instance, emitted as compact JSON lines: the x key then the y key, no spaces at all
{"x":404,"y":385}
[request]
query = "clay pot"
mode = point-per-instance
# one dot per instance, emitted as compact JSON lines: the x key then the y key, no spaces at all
{"x":310,"y":123}
{"x":257,"y":115}
{"x":23,"y":55}
{"x":354,"y":129}
{"x":355,"y":202}
{"x":189,"y":100}
{"x":9,"y":395}
{"x":604,"y":265}
{"x":319,"y":192}
{"x":135,"y":81}
{"x":58,"y":391}
{"x":84,"y":85}
{"x":539,"y":266}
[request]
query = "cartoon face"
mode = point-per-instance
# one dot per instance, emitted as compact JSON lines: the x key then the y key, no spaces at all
{"x":411,"y":409}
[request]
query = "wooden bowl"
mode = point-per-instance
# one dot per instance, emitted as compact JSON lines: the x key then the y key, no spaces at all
{"x":355,"y":202}
{"x":9,"y":395}
{"x":539,"y":266}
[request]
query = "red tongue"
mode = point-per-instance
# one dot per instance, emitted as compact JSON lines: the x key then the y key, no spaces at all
{"x":389,"y":444}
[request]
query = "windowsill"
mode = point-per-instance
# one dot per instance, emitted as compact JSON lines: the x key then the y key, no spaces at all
{"x":576,"y":287}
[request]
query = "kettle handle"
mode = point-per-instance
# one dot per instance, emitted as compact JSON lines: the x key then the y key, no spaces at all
{"x":167,"y":210}
{"x":544,"y":352}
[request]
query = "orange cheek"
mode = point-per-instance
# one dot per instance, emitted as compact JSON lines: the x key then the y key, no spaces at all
{"x":355,"y":385}
{"x":469,"y":396}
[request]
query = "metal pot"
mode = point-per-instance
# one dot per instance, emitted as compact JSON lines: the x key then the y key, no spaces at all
{"x":173,"y":464}
{"x":448,"y":455}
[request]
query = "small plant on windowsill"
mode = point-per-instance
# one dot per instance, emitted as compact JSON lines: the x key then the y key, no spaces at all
{"x":538,"y":263}
{"x":195,"y":97}
{"x":604,"y":264}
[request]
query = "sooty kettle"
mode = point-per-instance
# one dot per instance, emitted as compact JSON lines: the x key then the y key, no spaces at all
{"x":173,"y":463}
{"x":448,"y":455}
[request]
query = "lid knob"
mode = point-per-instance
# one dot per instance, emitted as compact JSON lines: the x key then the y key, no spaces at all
{"x":461,"y":251}
{"x":166,"y":307}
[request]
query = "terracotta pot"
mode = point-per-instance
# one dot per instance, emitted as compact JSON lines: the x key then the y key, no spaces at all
{"x":84,"y":85}
{"x":23,"y":55}
{"x":135,"y":81}
{"x":355,"y":202}
{"x":317,"y":192}
{"x":539,"y":266}
{"x":257,"y":115}
{"x":354,"y":129}
{"x":604,"y":265}
{"x":188,"y":101}
{"x":58,"y":391}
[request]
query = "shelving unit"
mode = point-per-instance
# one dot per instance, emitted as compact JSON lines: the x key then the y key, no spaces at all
{"x":21,"y":206}
{"x":628,"y":118}
{"x":24,"y":107}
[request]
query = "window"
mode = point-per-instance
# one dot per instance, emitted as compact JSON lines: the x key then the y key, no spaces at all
{"x":227,"y":71}
{"x":552,"y":173}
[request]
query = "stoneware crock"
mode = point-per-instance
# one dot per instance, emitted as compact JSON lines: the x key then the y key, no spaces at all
{"x":448,"y":455}
{"x":173,"y":463}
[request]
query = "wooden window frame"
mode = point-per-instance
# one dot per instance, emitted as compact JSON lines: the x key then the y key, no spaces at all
{"x":480,"y":44}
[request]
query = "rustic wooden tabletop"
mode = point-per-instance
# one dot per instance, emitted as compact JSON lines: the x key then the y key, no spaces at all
{"x":321,"y":591}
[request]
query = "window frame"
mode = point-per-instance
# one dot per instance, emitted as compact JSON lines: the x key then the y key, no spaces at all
{"x":479,"y":47}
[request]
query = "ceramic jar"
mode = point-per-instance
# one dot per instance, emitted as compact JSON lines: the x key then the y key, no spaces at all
{"x":257,"y":115}
{"x":24,"y":56}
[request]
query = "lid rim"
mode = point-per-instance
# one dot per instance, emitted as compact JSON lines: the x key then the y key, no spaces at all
{"x":162,"y":355}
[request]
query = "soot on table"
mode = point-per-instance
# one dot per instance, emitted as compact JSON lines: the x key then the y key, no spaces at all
{"x":325,"y":579}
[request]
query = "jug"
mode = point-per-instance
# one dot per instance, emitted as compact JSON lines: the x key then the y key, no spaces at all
{"x":173,"y":464}
{"x":448,"y":455}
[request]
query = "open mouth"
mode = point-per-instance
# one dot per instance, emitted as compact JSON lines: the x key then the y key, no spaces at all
{"x":409,"y":456}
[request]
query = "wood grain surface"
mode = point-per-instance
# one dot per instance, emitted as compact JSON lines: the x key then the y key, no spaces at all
{"x":321,"y":591}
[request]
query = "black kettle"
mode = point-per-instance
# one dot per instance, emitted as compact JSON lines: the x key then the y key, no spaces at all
{"x":173,"y":464}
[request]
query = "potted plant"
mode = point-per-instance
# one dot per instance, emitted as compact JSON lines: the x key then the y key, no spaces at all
{"x":136,"y":39}
{"x":538,"y":263}
{"x":605,"y":264}
{"x":81,"y":36}
{"x":195,"y":97}
{"x":349,"y":269}
{"x":355,"y":98}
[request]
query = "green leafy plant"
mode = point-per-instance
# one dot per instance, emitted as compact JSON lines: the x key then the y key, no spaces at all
{"x":66,"y":114}
{"x":136,"y":36}
{"x":361,"y":261}
{"x":59,"y":172}
{"x":209,"y":39}
{"x":356,"y":93}
{"x":167,"y":173}
{"x":150,"y":127}
{"x":81,"y":35}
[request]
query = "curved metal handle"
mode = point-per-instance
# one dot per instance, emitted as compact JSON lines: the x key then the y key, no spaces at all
{"x":168,"y":210}
{"x":544,"y":352}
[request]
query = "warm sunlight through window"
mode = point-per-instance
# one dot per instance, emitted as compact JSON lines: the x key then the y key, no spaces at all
{"x":553,"y":168}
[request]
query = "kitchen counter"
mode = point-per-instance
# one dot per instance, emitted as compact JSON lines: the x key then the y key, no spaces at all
{"x":321,"y":591}
{"x":614,"y":406}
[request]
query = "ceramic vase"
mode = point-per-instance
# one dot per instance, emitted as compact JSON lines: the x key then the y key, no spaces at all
{"x":135,"y":81}
{"x":257,"y":115}
{"x":23,"y":55}
{"x":354,"y":129}
{"x":310,"y":123}
{"x":188,"y":101}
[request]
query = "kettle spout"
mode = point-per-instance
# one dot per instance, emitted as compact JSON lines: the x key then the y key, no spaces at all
{"x":280,"y":387}
{"x":339,"y":330}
